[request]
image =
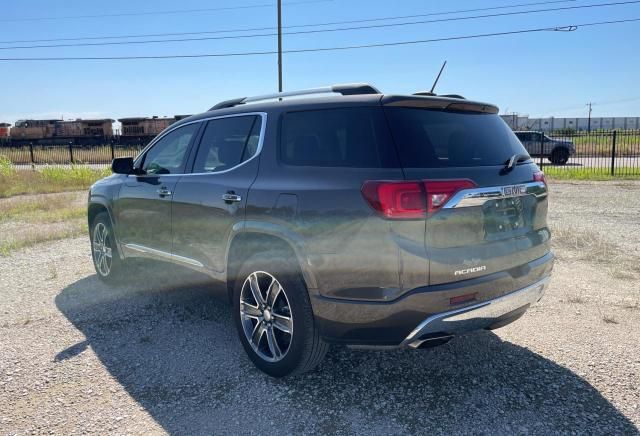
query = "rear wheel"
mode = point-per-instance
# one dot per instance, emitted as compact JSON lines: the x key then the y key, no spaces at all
{"x":274,"y":318}
{"x":106,"y":260}
{"x":559,"y":156}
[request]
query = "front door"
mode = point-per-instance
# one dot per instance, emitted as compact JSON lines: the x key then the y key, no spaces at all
{"x":143,"y":208}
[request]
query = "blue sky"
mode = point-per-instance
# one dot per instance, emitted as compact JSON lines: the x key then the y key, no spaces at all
{"x":539,"y":74}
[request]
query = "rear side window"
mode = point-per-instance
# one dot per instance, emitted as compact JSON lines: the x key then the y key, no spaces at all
{"x":338,"y":137}
{"x":226,"y":142}
{"x":433,"y":138}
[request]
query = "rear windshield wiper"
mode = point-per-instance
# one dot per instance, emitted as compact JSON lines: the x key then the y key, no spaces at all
{"x":513,"y":160}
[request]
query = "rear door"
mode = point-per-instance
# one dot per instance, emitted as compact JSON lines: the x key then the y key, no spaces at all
{"x":496,"y":221}
{"x":211,"y":199}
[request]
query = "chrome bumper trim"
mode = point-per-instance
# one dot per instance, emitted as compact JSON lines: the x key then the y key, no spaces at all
{"x":479,"y":196}
{"x":475,"y":317}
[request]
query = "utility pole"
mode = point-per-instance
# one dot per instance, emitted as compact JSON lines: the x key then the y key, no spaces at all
{"x":589,"y":121}
{"x":279,"y":45}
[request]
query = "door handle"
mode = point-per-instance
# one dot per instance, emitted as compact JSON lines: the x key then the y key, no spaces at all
{"x":163,"y":192}
{"x":231,"y":198}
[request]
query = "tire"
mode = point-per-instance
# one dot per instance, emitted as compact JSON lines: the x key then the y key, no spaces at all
{"x":559,"y":156}
{"x":104,"y":252}
{"x":300,"y":350}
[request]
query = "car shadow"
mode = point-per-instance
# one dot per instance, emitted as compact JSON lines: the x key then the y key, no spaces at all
{"x":173,"y":347}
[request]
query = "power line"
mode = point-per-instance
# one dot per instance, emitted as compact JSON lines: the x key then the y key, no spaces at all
{"x":340,"y":29}
{"x":255,"y":29}
{"x":326,"y":49}
{"x":580,"y":106}
{"x":170,"y":12}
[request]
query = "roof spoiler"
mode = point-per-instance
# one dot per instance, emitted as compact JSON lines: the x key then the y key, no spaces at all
{"x":441,"y":102}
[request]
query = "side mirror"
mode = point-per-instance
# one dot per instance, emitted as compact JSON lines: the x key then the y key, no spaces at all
{"x":122,"y":165}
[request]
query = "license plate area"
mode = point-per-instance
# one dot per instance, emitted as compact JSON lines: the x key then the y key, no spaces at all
{"x":503,"y":216}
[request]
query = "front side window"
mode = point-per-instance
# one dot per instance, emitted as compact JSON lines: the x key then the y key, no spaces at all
{"x":168,"y":155}
{"x":227,"y":142}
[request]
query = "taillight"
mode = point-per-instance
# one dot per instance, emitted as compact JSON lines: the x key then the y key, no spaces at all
{"x":402,"y":200}
{"x":440,"y":191}
{"x":411,"y":200}
{"x":538,"y":176}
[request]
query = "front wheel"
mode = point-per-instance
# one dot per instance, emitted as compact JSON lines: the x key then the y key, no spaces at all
{"x":106,"y":260}
{"x":274,"y":318}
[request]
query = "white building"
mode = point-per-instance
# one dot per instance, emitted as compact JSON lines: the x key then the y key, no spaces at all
{"x":518,"y":122}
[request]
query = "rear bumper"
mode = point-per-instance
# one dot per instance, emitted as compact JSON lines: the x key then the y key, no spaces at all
{"x":496,"y":312}
{"x":422,"y":313}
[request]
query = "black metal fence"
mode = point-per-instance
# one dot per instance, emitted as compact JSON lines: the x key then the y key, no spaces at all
{"x":599,"y":152}
{"x":57,"y":154}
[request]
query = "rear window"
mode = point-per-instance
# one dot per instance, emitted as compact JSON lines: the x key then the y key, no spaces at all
{"x":433,"y":138}
{"x":338,"y":137}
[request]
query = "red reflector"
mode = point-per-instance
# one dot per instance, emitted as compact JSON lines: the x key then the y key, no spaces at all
{"x":440,"y":191}
{"x":462,"y":298}
{"x":402,"y":200}
{"x":538,"y":176}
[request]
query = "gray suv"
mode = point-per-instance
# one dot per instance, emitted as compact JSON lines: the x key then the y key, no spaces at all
{"x":558,"y":151}
{"x":356,"y":218}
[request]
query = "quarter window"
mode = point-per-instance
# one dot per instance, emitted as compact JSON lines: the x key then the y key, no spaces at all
{"x":226,"y":143}
{"x":167,"y":156}
{"x":337,"y":137}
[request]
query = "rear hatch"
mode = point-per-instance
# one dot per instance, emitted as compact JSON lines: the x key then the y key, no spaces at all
{"x":486,"y":200}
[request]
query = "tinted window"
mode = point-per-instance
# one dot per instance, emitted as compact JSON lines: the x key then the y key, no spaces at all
{"x":226,"y":142}
{"x":347,"y":137}
{"x":433,"y":138}
{"x":167,"y":156}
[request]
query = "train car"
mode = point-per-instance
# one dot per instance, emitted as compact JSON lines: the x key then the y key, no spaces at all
{"x":84,"y":132}
{"x":141,"y":130}
{"x":80,"y":132}
{"x":4,"y":132}
{"x":51,"y":132}
{"x":32,"y":131}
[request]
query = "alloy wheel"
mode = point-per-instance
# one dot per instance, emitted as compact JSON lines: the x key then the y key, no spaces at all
{"x":266,"y":316}
{"x":102,"y":249}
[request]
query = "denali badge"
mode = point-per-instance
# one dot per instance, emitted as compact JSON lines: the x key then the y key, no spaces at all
{"x":515,"y":190}
{"x":475,"y":269}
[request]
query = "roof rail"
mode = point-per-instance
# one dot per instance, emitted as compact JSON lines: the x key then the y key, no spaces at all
{"x":346,"y":89}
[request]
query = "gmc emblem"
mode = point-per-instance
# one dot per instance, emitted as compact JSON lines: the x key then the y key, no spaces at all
{"x":513,"y":191}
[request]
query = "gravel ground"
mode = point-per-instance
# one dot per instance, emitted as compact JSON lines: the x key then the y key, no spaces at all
{"x":78,"y":357}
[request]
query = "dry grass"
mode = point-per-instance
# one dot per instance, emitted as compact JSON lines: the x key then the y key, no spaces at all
{"x":43,"y":208}
{"x":576,"y":299}
{"x":580,"y":245}
{"x":48,"y":180}
{"x":29,"y":220}
{"x":584,"y":244}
